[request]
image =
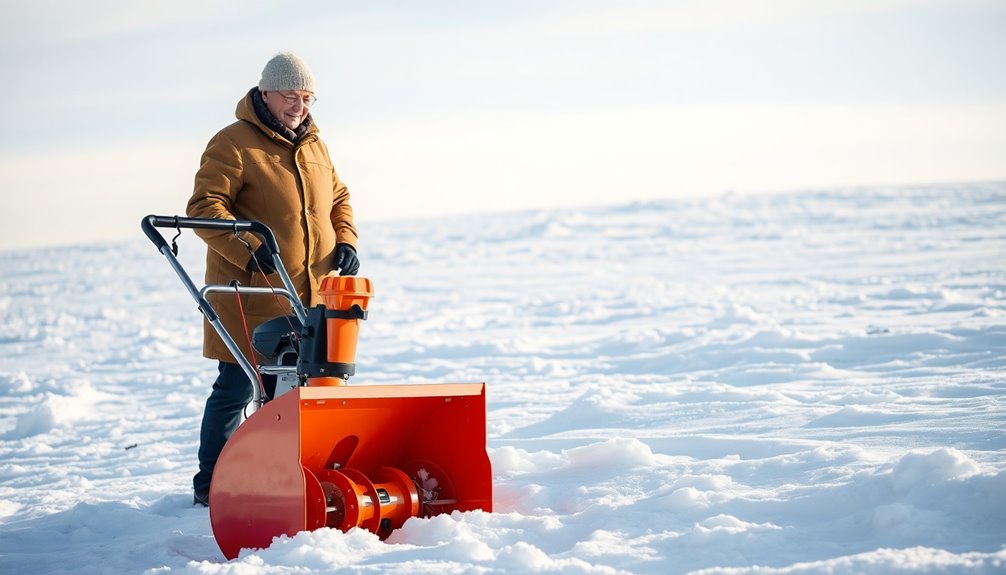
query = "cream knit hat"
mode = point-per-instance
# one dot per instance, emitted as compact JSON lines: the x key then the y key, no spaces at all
{"x":286,"y":71}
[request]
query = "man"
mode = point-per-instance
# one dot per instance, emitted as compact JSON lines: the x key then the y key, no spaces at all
{"x":269,"y":166}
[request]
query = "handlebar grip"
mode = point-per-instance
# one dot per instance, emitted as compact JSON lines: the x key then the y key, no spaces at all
{"x":149,"y":223}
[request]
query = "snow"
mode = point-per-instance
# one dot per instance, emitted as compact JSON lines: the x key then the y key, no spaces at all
{"x":796,"y":383}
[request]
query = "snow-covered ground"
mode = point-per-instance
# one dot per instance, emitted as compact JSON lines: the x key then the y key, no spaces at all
{"x":798,"y":383}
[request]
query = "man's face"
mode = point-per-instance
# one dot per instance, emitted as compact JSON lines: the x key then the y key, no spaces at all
{"x":289,"y":106}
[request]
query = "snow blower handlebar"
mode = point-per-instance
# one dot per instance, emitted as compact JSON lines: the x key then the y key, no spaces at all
{"x":151,"y":222}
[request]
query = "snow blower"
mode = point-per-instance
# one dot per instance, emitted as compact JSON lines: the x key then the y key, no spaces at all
{"x":321,"y":452}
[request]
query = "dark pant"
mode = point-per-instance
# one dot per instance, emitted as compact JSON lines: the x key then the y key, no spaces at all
{"x":222,"y":415}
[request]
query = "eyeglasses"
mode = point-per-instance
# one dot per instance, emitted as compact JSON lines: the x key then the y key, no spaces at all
{"x":308,"y":100}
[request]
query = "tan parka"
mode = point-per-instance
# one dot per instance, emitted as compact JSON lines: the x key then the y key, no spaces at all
{"x":250,"y":172}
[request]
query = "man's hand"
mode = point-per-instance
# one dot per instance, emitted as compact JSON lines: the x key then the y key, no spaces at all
{"x":261,"y":261}
{"x":346,"y":260}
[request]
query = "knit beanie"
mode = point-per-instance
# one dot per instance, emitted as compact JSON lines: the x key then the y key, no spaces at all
{"x":286,"y":71}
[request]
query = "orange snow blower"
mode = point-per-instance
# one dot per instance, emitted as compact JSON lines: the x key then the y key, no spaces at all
{"x":322,"y":453}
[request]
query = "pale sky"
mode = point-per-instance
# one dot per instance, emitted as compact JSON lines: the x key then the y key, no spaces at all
{"x":446,"y":107}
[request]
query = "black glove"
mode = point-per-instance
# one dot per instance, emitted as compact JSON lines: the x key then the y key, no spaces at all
{"x":346,"y":260}
{"x":262,"y":260}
